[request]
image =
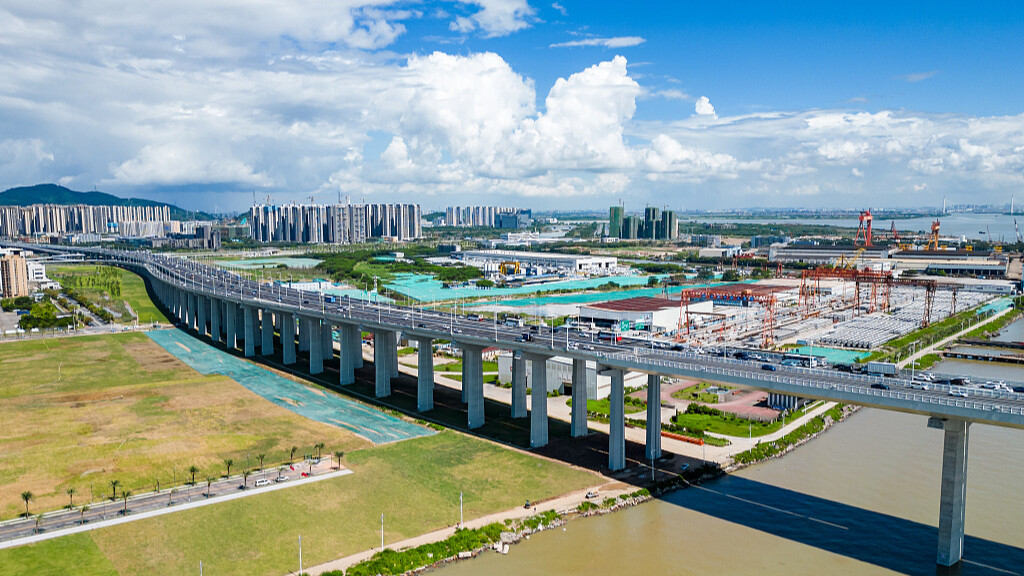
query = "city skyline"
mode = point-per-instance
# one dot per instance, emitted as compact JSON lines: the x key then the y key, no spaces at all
{"x":534,"y":104}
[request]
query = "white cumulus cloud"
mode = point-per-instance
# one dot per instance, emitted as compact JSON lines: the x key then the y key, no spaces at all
{"x":703,"y":107}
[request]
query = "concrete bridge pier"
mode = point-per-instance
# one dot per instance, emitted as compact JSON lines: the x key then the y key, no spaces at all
{"x":249,"y":320}
{"x":953,"y":490}
{"x":311,"y":327}
{"x":304,"y":336}
{"x":617,"y":421}
{"x":579,"y":397}
{"x":382,"y":352}
{"x":240,"y":322}
{"x":518,"y":385}
{"x":288,"y":338}
{"x":473,"y":383}
{"x":216,"y":311}
{"x":201,"y":306}
{"x":653,"y":416}
{"x":266,"y":332}
{"x":190,"y":317}
{"x":327,"y":341}
{"x":539,"y":401}
{"x":357,"y":347}
{"x":347,"y":334}
{"x":425,"y":375}
{"x":230,"y":322}
{"x":393,"y":353}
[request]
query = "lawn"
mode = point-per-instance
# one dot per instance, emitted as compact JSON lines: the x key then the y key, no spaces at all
{"x":604,"y":406}
{"x":697,"y":393}
{"x":83,"y":411}
{"x":415,"y":484}
{"x":730,"y":425}
{"x":488,"y":366}
{"x":132,"y":291}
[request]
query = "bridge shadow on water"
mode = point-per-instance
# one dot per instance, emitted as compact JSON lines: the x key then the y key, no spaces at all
{"x":886,"y":541}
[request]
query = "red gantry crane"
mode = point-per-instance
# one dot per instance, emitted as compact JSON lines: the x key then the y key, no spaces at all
{"x":864,"y":230}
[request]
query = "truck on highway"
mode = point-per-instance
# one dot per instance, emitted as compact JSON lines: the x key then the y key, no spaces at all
{"x":881,"y":368}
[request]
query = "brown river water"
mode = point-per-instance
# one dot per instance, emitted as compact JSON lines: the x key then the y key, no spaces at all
{"x":863,"y":498}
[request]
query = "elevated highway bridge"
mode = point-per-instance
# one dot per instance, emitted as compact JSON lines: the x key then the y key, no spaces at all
{"x":253,"y":316}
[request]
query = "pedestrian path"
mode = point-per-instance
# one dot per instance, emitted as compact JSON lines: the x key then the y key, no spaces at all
{"x":313,"y":403}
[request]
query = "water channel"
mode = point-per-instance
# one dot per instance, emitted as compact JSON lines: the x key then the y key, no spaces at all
{"x":861,"y":499}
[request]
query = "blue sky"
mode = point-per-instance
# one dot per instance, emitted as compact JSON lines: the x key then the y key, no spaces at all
{"x":540,"y":104}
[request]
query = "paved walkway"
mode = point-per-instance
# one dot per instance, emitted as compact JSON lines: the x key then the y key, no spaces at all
{"x":108,"y":513}
{"x":928,"y":350}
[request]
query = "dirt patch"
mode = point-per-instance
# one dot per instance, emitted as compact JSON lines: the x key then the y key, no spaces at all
{"x":151,"y":357}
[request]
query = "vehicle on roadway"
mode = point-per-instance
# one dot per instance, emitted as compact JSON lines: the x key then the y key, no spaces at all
{"x":770,"y":367}
{"x":958,"y":393}
{"x":878,"y":386}
{"x":262,"y":482}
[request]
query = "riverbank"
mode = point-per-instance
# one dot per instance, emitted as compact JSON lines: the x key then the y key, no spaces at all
{"x":500,"y":531}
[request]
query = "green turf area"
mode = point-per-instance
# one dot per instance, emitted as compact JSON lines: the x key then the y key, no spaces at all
{"x":489,"y":366}
{"x":697,"y":393}
{"x":117,"y":406}
{"x":605,"y":406}
{"x":415,"y":484}
{"x":111,"y":288}
{"x":728,"y":424}
{"x":76,"y":554}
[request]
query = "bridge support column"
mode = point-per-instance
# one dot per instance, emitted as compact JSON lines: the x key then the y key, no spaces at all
{"x":539,"y":402}
{"x":327,"y":341}
{"x":347,"y":372}
{"x":653,"y":416}
{"x":579,"y":397}
{"x":393,"y":353}
{"x":953,"y":491}
{"x":473,"y":384}
{"x":249,"y":319}
{"x":266,"y":333}
{"x":182,"y":308}
{"x":617,"y":422}
{"x":311,"y":327}
{"x":230,"y":329}
{"x":357,"y":348}
{"x":288,"y":338}
{"x":202,"y":305}
{"x":190,"y":302}
{"x":518,"y":385}
{"x":216,"y":311}
{"x":175,"y":299}
{"x":425,"y":375}
{"x":240,"y":323}
{"x":304,"y":336}
{"x":382,"y":362}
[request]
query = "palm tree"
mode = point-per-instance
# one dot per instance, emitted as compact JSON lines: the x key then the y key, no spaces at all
{"x":209,"y":482}
{"x":171,"y":495}
{"x":83,"y":510}
{"x":260,"y":457}
{"x":319,"y":448}
{"x":71,"y":497}
{"x":338,"y":455}
{"x":291,"y":454}
{"x":125,"y":494}
{"x":39,"y":521}
{"x":228,"y":463}
{"x":113,"y":489}
{"x":27,"y":497}
{"x":245,"y":478}
{"x":193,"y":470}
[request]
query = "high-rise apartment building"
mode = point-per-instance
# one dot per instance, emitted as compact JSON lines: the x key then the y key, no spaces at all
{"x":615,"y":214}
{"x":59,"y":219}
{"x":13,"y":274}
{"x":334,"y":224}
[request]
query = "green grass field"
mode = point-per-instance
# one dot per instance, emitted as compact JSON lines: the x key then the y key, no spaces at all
{"x":415,"y":484}
{"x":82,"y":411}
{"x":133,"y":291}
{"x":605,"y":407}
{"x":697,"y":393}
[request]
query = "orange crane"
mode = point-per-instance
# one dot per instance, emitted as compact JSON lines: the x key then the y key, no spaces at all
{"x":895,"y":233}
{"x":933,"y":243}
{"x":864,"y":230}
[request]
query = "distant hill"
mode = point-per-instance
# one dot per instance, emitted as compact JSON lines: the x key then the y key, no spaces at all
{"x":55,"y":194}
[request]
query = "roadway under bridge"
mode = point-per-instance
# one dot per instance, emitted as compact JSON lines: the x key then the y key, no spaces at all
{"x":262,"y":318}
